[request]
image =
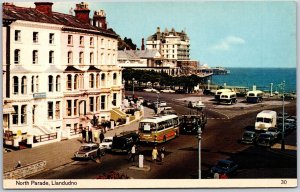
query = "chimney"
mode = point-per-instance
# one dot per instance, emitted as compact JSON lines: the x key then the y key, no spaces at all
{"x":44,"y":7}
{"x":99,"y":19}
{"x":143,"y":45}
{"x":82,"y":12}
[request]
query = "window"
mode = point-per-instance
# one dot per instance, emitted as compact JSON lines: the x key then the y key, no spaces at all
{"x":91,"y":80}
{"x":17,"y":56}
{"x":70,"y":40}
{"x":24,"y":85}
{"x":81,"y":41}
{"x":103,"y":80}
{"x":32,"y":84}
{"x":15,"y":117}
{"x":76,"y":82}
{"x":50,"y":83}
{"x":69,"y":82}
{"x":91,"y":58}
{"x":97,"y":103}
{"x":51,"y":57}
{"x":97,"y":81}
{"x":70,"y":57}
{"x":17,"y":35}
{"x":58,"y":83}
{"x":114,"y":78}
{"x":51,"y":38}
{"x":69,"y":107}
{"x":23,"y":114}
{"x":92,"y":41}
{"x":16,"y":85}
{"x":75,"y":107}
{"x":34,"y":56}
{"x":37,"y":83}
{"x":81,"y":58}
{"x":57,"y":110}
{"x":114,"y":102}
{"x":35,"y":37}
{"x":91,"y":104}
{"x":102,"y":101}
{"x":50,"y":110}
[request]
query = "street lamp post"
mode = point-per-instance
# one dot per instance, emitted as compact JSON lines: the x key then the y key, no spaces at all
{"x":133,"y":87}
{"x":283,"y":127}
{"x":157,"y":103}
{"x":199,"y":149}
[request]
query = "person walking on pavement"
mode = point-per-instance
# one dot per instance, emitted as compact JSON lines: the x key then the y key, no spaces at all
{"x":101,"y":136}
{"x":90,"y":133}
{"x":162,"y":154}
{"x":83,"y":135}
{"x":154,"y":154}
{"x":132,"y":153}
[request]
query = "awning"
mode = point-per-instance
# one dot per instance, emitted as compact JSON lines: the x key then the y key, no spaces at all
{"x":8,"y":109}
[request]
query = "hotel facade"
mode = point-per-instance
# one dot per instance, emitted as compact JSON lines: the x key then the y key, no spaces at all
{"x":59,"y":70}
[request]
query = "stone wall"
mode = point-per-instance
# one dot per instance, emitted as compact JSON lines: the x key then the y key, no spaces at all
{"x":25,"y":171}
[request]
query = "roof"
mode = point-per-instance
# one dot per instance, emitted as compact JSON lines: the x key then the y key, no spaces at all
{"x":158,"y":118}
{"x":68,"y":21}
{"x":138,"y":54}
{"x":71,"y":68}
{"x":93,"y":68}
{"x":162,"y":35}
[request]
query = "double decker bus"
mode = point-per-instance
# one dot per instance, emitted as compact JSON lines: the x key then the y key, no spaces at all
{"x":159,"y":129}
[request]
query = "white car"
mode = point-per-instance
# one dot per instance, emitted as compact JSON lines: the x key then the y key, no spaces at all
{"x":151,"y":90}
{"x":163,"y":104}
{"x":107,"y":143}
{"x":167,"y":91}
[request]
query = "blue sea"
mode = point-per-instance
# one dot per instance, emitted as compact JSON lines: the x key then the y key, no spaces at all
{"x":261,"y":77}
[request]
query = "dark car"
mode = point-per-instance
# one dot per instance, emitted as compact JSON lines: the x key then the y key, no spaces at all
{"x":249,"y":137}
{"x":265,"y":140}
{"x":208,"y":92}
{"x":123,"y":143}
{"x":225,"y":166}
{"x":89,"y":151}
{"x":275,"y":132}
{"x":190,"y":123}
{"x":180,"y":91}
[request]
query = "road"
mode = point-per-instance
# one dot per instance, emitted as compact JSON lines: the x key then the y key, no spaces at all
{"x":219,"y":141}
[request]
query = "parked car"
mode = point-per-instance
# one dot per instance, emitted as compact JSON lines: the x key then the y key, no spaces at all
{"x":265,"y":140}
{"x":180,"y":91}
{"x":163,"y":104}
{"x":141,"y":99}
{"x":225,"y":166}
{"x":151,"y":90}
{"x":107,"y":143}
{"x":208,"y":92}
{"x":292,"y":122}
{"x":167,"y":111}
{"x":89,"y":151}
{"x":249,"y":137}
{"x":168,"y":90}
{"x":275,"y":132}
{"x":196,"y":104}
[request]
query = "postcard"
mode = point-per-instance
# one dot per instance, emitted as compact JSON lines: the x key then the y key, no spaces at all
{"x":149,"y":94}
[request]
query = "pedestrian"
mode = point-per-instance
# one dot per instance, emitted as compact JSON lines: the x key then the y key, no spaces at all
{"x":101,"y":136}
{"x":83,"y":135}
{"x":18,"y":164}
{"x":90,"y":133}
{"x":132,"y":153}
{"x":162,"y":154}
{"x":154,"y":154}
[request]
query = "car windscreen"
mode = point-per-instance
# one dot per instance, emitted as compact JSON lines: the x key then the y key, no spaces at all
{"x":247,"y":134}
{"x":223,"y":164}
{"x":147,"y":127}
{"x":84,"y":148}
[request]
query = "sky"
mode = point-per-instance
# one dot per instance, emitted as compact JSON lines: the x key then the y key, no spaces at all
{"x":222,"y":33}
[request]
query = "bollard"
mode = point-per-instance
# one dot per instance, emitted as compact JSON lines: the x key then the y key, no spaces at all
{"x":29,"y":140}
{"x":112,"y":124}
{"x":16,"y":142}
{"x":127,"y":119}
{"x":141,"y":161}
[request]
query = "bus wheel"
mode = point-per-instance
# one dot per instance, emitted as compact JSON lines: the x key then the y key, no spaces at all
{"x":165,"y":139}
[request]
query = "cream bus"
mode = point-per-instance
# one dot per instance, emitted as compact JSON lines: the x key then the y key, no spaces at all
{"x":159,"y":129}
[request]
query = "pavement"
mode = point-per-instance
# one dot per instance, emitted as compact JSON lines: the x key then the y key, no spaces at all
{"x":58,"y":153}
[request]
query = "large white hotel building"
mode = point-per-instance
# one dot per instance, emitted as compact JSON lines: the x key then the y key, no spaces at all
{"x":59,"y":70}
